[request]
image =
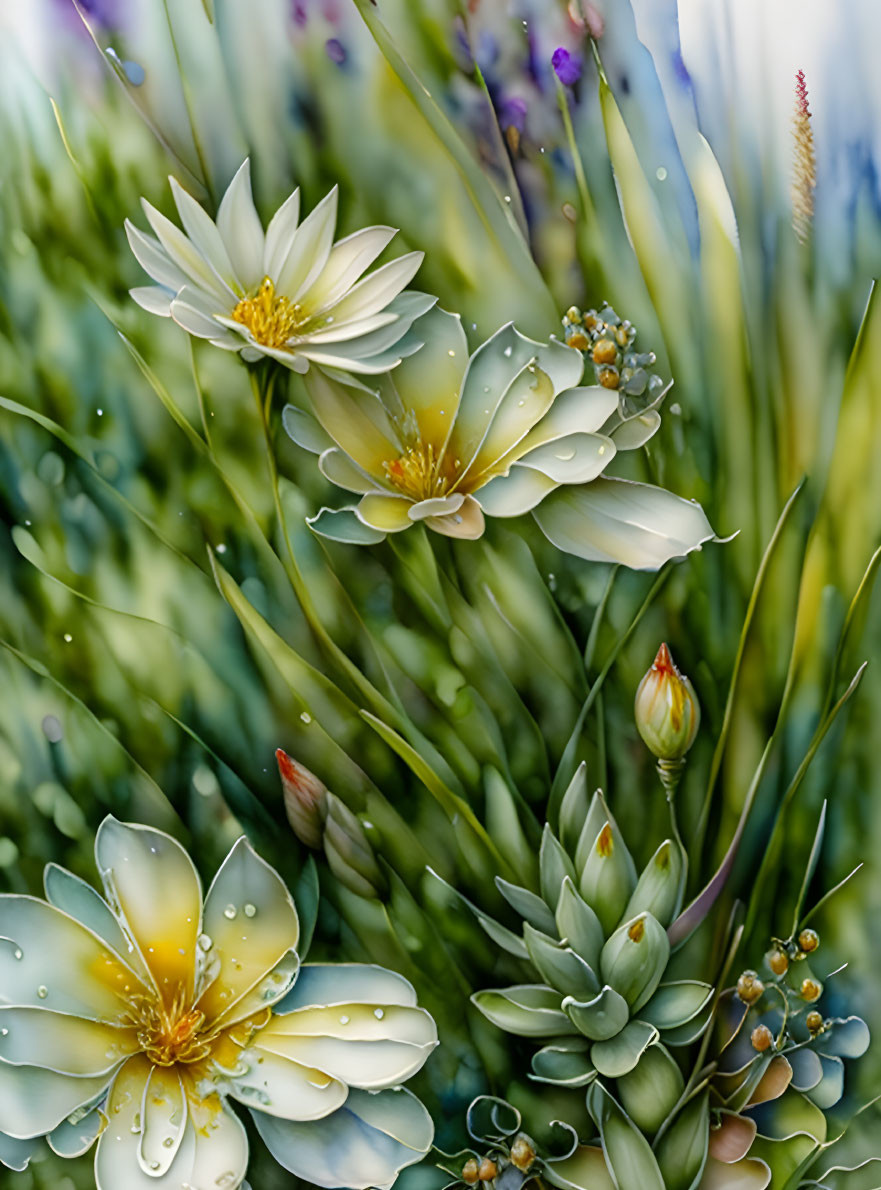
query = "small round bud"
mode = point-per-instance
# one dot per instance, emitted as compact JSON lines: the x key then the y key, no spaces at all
{"x":573,"y":314}
{"x":609,"y":377}
{"x":778,"y":960}
{"x":811,"y":990}
{"x":622,"y":334}
{"x":666,"y":709}
{"x":304,"y":799}
{"x":488,"y":1170}
{"x":814,"y":1022}
{"x":522,"y":1153}
{"x":749,"y":987}
{"x":470,"y":1173}
{"x":577,"y":339}
{"x":808,"y":940}
{"x":604,"y":352}
{"x":762,"y":1038}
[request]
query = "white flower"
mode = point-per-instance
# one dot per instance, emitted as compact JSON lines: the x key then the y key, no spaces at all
{"x":137,"y":1019}
{"x":289,"y":292}
{"x":447,"y":438}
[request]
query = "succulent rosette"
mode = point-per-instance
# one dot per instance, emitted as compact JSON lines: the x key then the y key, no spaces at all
{"x":289,"y":293}
{"x":139,"y":1019}
{"x":450,"y":437}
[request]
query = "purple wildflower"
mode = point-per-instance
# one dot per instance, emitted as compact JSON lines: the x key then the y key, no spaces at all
{"x":567,"y":67}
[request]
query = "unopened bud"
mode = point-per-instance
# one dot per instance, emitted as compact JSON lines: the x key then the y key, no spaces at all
{"x":814,"y":1022}
{"x":778,"y":960}
{"x":488,"y":1170}
{"x":470,"y":1172}
{"x":304,"y":795}
{"x":666,"y":709}
{"x":593,"y":19}
{"x":808,"y":940}
{"x":348,"y":851}
{"x":749,"y":987}
{"x":762,"y":1038}
{"x":604,"y":352}
{"x":522,"y":1153}
{"x":609,"y":377}
{"x":573,"y":314}
{"x":811,"y":990}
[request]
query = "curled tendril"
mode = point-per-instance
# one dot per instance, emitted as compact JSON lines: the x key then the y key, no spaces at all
{"x":573,"y":1139}
{"x":498,"y":1105}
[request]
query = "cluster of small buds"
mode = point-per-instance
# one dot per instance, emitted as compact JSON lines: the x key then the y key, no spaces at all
{"x":783,"y":954}
{"x":607,"y":341}
{"x":749,"y":987}
{"x":521,"y":1155}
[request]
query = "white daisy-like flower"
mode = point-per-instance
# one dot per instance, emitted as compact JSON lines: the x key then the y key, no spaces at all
{"x":288,"y":292}
{"x":137,"y":1021}
{"x":449,"y":438}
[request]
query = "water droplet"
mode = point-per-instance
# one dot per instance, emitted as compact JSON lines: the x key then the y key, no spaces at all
{"x":230,"y":912}
{"x":67,"y":637}
{"x":661,"y":173}
{"x":601,"y":451}
{"x":379,"y":1013}
{"x":154,"y":1165}
{"x":565,"y":453}
{"x":306,"y":717}
{"x":344,"y":1020}
{"x":204,"y":943}
{"x":100,"y":412}
{"x":221,"y":549}
{"x":451,"y":352}
{"x":250,"y":910}
{"x":4,"y":1032}
{"x":42,"y":991}
{"x":16,"y":954}
{"x":507,"y":198}
{"x":507,"y":351}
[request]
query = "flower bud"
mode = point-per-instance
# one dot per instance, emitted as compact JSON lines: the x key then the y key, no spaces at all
{"x":488,"y":1170}
{"x":814,"y":1022}
{"x":778,"y":960}
{"x":666,"y":709}
{"x":604,"y":352}
{"x":749,"y":987}
{"x":808,"y":941}
{"x":634,"y":959}
{"x":762,"y":1038}
{"x":348,"y":851}
{"x":522,"y":1153}
{"x":303,"y":799}
{"x":810,"y":990}
{"x":470,"y":1172}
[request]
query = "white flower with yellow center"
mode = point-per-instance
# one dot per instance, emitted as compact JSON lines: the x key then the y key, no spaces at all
{"x":135,"y":1021}
{"x":289,"y":292}
{"x":448,"y":437}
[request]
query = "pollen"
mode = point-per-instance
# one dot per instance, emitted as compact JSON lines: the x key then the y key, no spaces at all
{"x":172,"y":1034}
{"x":421,"y":472}
{"x":272,"y":320}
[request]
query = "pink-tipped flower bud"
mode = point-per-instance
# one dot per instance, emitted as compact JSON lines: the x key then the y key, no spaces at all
{"x":666,"y":708}
{"x":304,"y":796}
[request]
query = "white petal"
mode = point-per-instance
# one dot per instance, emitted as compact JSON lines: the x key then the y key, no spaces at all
{"x":363,"y":1144}
{"x":526,"y":400}
{"x":34,"y":1101}
{"x":341,"y":470}
{"x":241,"y":229}
{"x":153,"y":299}
{"x":194,"y":322}
{"x":437,"y":506}
{"x":636,"y":431}
{"x":151,"y":882}
{"x":184,"y":255}
{"x":15,"y":1154}
{"x":375,"y":291}
{"x":252,"y":923}
{"x":117,"y":1158}
{"x":341,"y":524}
{"x":515,"y":493}
{"x":203,"y":232}
{"x":163,"y":1121}
{"x":388,"y":513}
{"x":467,"y":523}
{"x":153,"y":259}
{"x":356,"y":420}
{"x":221,"y":1157}
{"x":74,"y":1139}
{"x":48,"y":960}
{"x":363,"y":1046}
{"x":429,"y":381}
{"x":303,"y":429}
{"x":576,"y":411}
{"x":347,"y":261}
{"x":285,"y":1088}
{"x":60,"y":1042}
{"x":79,"y":900}
{"x":344,"y":331}
{"x":577,"y":458}
{"x":615,"y":520}
{"x":320,"y":984}
{"x":280,"y":234}
{"x":309,"y":249}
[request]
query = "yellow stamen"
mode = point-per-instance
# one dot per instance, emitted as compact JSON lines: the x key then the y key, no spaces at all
{"x":418,"y":473}
{"x":171,"y":1035}
{"x":271,"y":320}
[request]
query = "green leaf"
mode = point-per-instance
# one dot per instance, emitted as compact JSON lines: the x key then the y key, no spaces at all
{"x":585,"y":1169}
{"x":559,"y":966}
{"x":608,"y":877}
{"x":628,"y":1153}
{"x":682,"y":1150}
{"x":620,"y":1054}
{"x":658,"y":888}
{"x":634,"y":959}
{"x":528,"y":1010}
{"x":675,"y":1003}
{"x":530,"y":907}
{"x":579,"y":925}
{"x":599,"y":1018}
{"x":566,"y":1062}
{"x":652,"y":1089}
{"x":554,"y":866}
{"x":574,"y":809}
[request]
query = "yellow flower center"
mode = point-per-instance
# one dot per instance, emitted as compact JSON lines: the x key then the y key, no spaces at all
{"x":271,"y":320}
{"x":418,"y":473}
{"x":168,"y":1035}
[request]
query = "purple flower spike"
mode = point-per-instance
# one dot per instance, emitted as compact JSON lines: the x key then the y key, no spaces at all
{"x":336,"y":51}
{"x":567,"y":67}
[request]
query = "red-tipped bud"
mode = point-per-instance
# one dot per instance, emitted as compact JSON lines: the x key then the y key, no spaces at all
{"x":303,"y":798}
{"x":666,"y":709}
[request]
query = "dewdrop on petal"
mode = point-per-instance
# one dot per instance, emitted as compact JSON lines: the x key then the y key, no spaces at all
{"x":666,"y":709}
